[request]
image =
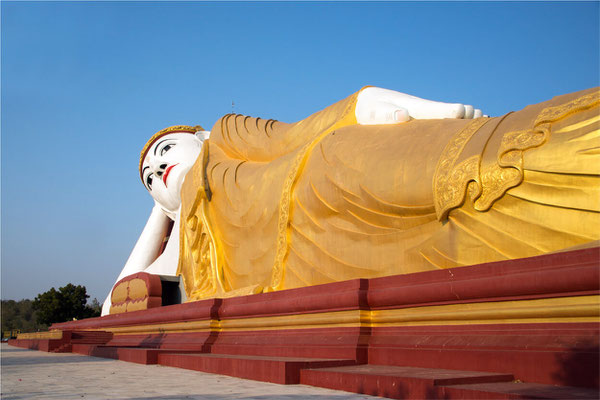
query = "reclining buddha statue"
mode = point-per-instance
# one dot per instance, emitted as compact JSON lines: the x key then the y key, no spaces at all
{"x":380,"y":183}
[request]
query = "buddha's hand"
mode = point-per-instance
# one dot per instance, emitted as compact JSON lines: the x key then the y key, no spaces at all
{"x":376,"y":106}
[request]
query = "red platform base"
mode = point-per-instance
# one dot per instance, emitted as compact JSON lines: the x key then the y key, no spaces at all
{"x":396,"y":382}
{"x":283,"y":370}
{"x":429,"y":334}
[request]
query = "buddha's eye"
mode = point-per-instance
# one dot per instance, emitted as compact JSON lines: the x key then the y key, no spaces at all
{"x":149,"y":181}
{"x":165,"y":149}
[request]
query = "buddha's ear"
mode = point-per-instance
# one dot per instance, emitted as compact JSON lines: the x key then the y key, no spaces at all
{"x":202,"y":135}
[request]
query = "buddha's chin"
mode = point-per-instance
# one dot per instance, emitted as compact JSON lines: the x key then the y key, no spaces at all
{"x":170,"y":203}
{"x":175,"y":182}
{"x":170,"y":200}
{"x":174,"y":203}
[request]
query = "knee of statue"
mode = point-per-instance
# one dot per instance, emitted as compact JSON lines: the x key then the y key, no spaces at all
{"x":165,"y":160}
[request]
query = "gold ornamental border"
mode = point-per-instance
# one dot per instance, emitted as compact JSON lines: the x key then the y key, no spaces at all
{"x":41,"y":335}
{"x":560,"y":309}
{"x":285,"y":202}
{"x":451,"y":181}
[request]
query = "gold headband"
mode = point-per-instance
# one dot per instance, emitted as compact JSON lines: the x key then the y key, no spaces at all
{"x":166,"y":131}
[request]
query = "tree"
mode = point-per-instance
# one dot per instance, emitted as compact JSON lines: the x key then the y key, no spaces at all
{"x":20,"y":315}
{"x":96,"y":307}
{"x":64,"y":304}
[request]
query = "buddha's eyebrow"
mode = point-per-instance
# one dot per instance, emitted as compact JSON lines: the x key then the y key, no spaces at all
{"x":157,"y":145}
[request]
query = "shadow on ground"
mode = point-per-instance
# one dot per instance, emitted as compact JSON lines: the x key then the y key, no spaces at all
{"x":12,"y":350}
{"x":263,"y":397}
{"x":8,"y":360}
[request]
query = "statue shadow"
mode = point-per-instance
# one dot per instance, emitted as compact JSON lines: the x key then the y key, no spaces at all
{"x":254,"y":397}
{"x":13,"y":350}
{"x":66,"y":359}
{"x":580,"y":365}
{"x":152,"y":341}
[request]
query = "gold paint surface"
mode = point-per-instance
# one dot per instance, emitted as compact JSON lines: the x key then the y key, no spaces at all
{"x":136,"y":305}
{"x":120,"y":293}
{"x":137,"y":289}
{"x":41,"y":335}
{"x":130,"y":295}
{"x":560,"y":309}
{"x":270,"y":205}
{"x":118,"y":308}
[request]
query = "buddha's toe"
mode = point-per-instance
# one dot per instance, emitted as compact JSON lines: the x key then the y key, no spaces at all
{"x":469,"y":112}
{"x":401,"y":115}
{"x":455,"y":111}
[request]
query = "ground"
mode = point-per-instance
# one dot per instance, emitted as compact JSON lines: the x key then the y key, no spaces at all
{"x":29,"y":374}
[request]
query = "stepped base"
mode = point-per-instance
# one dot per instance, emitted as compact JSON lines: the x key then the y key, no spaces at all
{"x":429,"y":383}
{"x":534,"y":319}
{"x":138,"y":355}
{"x":283,"y":370}
{"x":59,"y":341}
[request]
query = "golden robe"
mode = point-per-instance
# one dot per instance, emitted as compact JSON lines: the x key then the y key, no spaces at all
{"x":270,"y":205}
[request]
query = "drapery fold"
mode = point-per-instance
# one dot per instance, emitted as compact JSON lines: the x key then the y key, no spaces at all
{"x":325,"y":199}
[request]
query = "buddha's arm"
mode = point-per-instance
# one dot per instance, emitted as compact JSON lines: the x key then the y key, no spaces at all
{"x":146,"y":249}
{"x":166,"y":263}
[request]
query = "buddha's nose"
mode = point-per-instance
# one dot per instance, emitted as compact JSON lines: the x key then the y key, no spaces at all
{"x":158,"y":167}
{"x":161,"y":170}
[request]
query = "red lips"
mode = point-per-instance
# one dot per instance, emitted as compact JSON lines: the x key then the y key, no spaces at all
{"x":164,"y":178}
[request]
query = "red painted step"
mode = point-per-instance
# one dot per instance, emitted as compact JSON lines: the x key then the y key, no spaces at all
{"x":138,"y":355}
{"x":512,"y":390}
{"x":90,"y":337}
{"x":395,"y":382}
{"x":282,"y":370}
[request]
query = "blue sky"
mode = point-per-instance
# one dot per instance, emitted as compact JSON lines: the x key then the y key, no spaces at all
{"x":85,"y":84}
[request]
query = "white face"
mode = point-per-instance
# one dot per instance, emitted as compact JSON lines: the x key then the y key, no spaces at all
{"x":166,"y":163}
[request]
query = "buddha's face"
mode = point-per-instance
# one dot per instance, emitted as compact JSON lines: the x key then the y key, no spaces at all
{"x":165,"y":165}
